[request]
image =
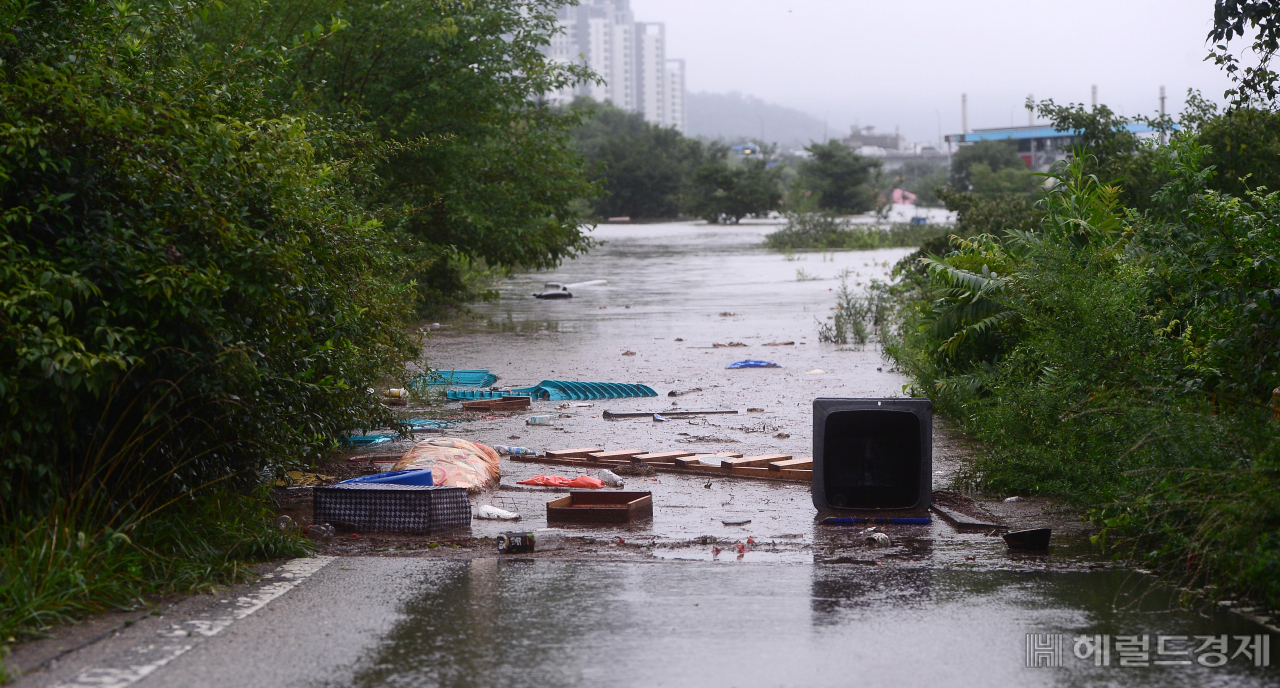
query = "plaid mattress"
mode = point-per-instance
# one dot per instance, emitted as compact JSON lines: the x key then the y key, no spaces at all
{"x":387,"y":508}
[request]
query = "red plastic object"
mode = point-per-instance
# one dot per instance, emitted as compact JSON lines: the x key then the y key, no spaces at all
{"x":583,"y":481}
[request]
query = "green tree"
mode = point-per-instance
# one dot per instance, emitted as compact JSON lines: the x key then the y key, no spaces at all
{"x":499,"y":186}
{"x":841,"y":180}
{"x":646,"y":170}
{"x":191,"y":292}
{"x":994,"y":157}
{"x":727,"y":192}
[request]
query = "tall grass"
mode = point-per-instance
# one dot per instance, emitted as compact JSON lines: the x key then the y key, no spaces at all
{"x":59,"y":568}
{"x":124,"y":525}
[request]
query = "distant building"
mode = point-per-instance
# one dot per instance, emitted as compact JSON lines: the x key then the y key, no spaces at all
{"x":630,"y":56}
{"x":892,"y":150}
{"x":866,"y":137}
{"x":1038,"y":146}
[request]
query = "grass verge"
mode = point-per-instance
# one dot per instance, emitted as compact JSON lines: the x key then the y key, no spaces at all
{"x":56,"y":570}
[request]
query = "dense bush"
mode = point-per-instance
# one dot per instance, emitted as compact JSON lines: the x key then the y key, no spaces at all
{"x":1124,"y":361}
{"x":191,"y":294}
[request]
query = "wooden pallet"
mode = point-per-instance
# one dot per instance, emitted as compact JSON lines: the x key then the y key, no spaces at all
{"x":792,"y":464}
{"x":689,"y":467}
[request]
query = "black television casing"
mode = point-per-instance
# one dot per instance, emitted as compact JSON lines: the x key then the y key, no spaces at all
{"x":872,"y":453}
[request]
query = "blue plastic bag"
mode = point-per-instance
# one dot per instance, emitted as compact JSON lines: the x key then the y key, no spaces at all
{"x":413,"y":476}
{"x":749,"y":363}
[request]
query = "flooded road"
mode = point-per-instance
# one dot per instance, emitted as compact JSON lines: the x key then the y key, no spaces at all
{"x":652,"y":604}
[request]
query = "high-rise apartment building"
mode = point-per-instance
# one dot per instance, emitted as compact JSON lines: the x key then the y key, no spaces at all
{"x":630,"y":56}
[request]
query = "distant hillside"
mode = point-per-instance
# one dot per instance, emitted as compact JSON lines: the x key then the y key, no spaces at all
{"x":732,"y":116}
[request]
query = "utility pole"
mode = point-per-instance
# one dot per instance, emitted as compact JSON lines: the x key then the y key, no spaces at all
{"x":1162,"y":134}
{"x":1094,"y":91}
{"x":964,"y":113}
{"x":1031,"y":110}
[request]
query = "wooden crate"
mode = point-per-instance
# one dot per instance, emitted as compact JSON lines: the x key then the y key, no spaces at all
{"x":591,"y":506}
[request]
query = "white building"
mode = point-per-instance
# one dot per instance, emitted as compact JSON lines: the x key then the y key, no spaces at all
{"x":630,"y":56}
{"x":675,"y":95}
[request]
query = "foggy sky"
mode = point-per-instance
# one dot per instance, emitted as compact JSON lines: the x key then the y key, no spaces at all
{"x":905,"y":63}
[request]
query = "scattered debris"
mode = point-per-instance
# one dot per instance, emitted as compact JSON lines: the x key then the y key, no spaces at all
{"x":611,"y":479}
{"x":585,"y":482}
{"x":489,"y":512}
{"x":515,"y":451}
{"x":645,"y":414}
{"x":719,"y":345}
{"x":524,"y":543}
{"x":754,"y":409}
{"x":1014,"y":498}
{"x":635,"y":469}
{"x":781,"y":436}
{"x":657,"y":417}
{"x":963,"y":521}
{"x":750,"y":363}
{"x":628,"y":352}
{"x":539,"y":420}
{"x":678,"y":339}
{"x":735,"y":521}
{"x":761,"y":427}
{"x":815,"y":371}
{"x":560,"y":293}
{"x":696,"y":439}
{"x":878,"y":540}
{"x":680,"y":393}
{"x":779,"y":344}
{"x":727,"y":314}
{"x":300,"y":479}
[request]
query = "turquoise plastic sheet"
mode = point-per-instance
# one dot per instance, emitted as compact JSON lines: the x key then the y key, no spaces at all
{"x":561,"y":390}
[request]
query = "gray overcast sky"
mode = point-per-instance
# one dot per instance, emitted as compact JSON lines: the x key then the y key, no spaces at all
{"x":888,"y":63}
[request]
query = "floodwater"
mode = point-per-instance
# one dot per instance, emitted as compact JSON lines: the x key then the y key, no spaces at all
{"x":806,"y":604}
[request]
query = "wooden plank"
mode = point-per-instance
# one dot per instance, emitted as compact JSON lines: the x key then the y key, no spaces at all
{"x":795,"y":474}
{"x":962,"y":521}
{"x":665,"y":457}
{"x":753,"y":461}
{"x":801,"y":464}
{"x":572,"y":453}
{"x":696,"y":459}
{"x":616,"y":454}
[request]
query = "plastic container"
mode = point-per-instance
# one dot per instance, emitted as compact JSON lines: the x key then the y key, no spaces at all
{"x":540,"y":420}
{"x":515,"y":451}
{"x":611,"y":479}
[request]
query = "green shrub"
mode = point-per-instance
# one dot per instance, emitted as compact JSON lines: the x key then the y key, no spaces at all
{"x":189,"y":291}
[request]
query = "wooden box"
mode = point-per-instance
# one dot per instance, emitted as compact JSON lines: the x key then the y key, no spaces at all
{"x":590,"y":506}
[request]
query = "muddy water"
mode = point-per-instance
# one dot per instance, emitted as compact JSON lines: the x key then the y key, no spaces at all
{"x":806,"y":605}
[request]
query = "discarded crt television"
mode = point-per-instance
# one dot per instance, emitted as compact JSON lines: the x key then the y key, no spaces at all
{"x":872,"y":453}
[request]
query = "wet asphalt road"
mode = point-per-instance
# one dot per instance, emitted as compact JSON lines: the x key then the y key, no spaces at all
{"x":805,"y":606}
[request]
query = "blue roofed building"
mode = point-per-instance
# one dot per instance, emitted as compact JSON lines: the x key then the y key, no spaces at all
{"x":1039,"y":146}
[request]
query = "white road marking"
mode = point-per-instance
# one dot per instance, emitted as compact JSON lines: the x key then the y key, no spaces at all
{"x":148,"y":658}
